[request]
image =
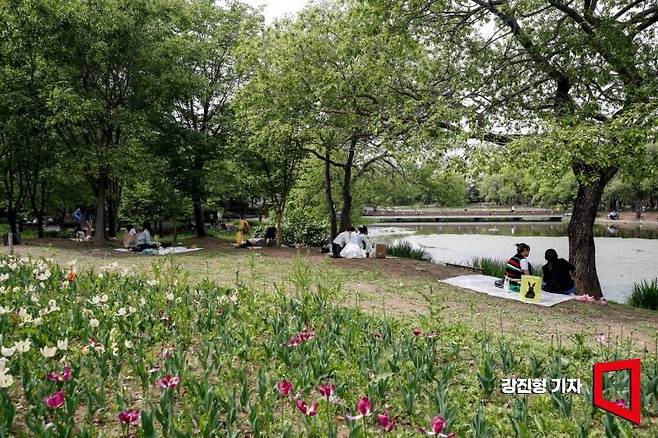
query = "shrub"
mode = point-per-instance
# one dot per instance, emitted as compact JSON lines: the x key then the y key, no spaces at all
{"x":645,"y":295}
{"x":490,"y":266}
{"x":406,"y":250}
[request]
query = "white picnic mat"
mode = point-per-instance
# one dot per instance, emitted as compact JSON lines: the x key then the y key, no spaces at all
{"x":164,"y":251}
{"x":485,"y":284}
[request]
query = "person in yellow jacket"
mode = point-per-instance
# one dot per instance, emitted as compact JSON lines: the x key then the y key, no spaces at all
{"x":243,"y":230}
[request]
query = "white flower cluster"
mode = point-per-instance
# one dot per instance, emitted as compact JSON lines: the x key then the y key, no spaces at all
{"x":6,"y":379}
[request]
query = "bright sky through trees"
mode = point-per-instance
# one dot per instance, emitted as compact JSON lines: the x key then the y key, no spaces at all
{"x":278,"y":8}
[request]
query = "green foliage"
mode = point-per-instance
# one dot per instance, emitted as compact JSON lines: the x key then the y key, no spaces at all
{"x":645,"y":295}
{"x":426,"y":185}
{"x":302,"y":229}
{"x":406,"y":250}
{"x":492,"y":267}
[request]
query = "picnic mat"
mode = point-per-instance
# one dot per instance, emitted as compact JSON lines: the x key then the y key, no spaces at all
{"x":161,"y":251}
{"x":485,"y":284}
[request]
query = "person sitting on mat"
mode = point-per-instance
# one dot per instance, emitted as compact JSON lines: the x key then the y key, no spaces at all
{"x":144,"y":239}
{"x":517,"y":266}
{"x":558,"y":274}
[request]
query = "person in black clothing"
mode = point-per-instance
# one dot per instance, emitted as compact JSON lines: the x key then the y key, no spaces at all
{"x":558,"y":274}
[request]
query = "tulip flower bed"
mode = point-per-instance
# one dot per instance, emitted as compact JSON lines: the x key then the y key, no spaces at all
{"x":89,"y":353}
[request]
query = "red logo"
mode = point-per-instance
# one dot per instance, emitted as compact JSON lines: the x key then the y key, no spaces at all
{"x":634,"y":414}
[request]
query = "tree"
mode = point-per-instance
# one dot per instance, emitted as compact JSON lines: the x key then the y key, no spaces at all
{"x":197,"y":129}
{"x":29,"y":154}
{"x":112,"y":56}
{"x":341,"y":72}
{"x":569,"y":85}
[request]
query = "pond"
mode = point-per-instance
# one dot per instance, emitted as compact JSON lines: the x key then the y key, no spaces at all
{"x":624,"y":255}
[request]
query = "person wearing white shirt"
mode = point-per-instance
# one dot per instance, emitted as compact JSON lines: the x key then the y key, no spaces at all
{"x":354,"y":248}
{"x":365,"y":241}
{"x":144,"y":239}
{"x":341,"y":241}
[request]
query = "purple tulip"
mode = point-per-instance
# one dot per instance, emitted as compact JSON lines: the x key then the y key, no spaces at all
{"x":436,"y":427}
{"x":327,"y":390}
{"x":284,"y":387}
{"x":309,"y":411}
{"x":64,"y":376}
{"x":55,"y":400}
{"x":364,"y":406}
{"x":130,"y":416}
{"x":301,"y":337}
{"x":385,"y":422}
{"x":168,"y":381}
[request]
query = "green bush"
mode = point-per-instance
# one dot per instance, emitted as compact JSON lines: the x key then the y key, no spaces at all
{"x":490,"y":266}
{"x":645,"y":295}
{"x":406,"y":250}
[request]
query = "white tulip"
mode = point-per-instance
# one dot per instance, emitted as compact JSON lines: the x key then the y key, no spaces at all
{"x":37,"y":322}
{"x":63,"y":345}
{"x":48,"y":352}
{"x":128,"y":344}
{"x":7,"y":352}
{"x":3,"y":365}
{"x":122,"y":312}
{"x":6,"y":380}
{"x":5,"y":310}
{"x":93,"y":322}
{"x":170,"y":296}
{"x":23,"y":346}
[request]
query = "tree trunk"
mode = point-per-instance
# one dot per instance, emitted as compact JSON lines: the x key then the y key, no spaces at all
{"x":99,"y":226}
{"x":582,"y":253}
{"x":111,"y":220}
{"x":279,"y":227}
{"x":329,"y":196}
{"x":346,"y":212}
{"x":11,"y":219}
{"x":199,"y":223}
{"x":40,"y":224}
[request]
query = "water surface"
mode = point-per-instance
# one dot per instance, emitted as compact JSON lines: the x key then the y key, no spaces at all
{"x":623,"y":255}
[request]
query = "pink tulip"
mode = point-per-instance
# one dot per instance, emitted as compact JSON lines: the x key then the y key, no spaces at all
{"x":301,"y":337}
{"x":131,"y":417}
{"x":364,"y":406}
{"x":65,"y":376}
{"x":385,"y":422}
{"x":309,"y":411}
{"x":168,"y":381}
{"x":621,"y":403}
{"x":417,"y":332}
{"x":327,"y":390}
{"x":284,"y":387}
{"x":436,"y":427}
{"x":55,"y":400}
